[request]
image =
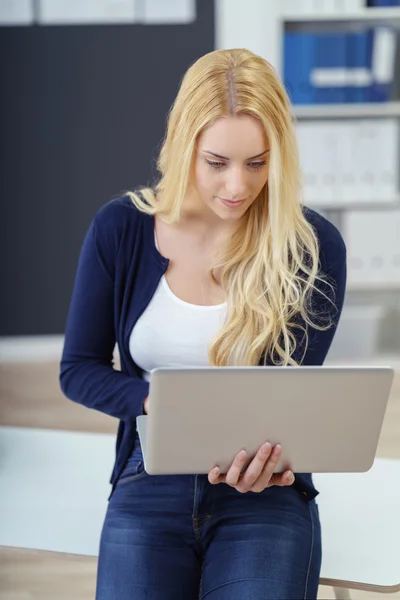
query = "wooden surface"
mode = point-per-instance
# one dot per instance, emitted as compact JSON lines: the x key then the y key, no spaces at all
{"x":30,"y":397}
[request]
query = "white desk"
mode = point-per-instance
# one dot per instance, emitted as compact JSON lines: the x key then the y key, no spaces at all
{"x":54,"y":491}
{"x":360,"y":519}
{"x":54,"y":488}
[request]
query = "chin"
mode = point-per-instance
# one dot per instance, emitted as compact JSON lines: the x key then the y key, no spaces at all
{"x":234,"y":216}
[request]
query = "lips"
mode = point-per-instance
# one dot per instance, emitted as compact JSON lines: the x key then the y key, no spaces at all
{"x":231,"y":204}
{"x":232,"y":201}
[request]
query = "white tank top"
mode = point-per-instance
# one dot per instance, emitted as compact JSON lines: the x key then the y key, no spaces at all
{"x":174,"y":333}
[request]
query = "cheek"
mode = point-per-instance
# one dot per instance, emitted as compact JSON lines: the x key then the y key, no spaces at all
{"x":263,"y":179}
{"x":206,"y":180}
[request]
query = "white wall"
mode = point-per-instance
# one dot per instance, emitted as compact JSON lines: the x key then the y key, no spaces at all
{"x":252,"y":24}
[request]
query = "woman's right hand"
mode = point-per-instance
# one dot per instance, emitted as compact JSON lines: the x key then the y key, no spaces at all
{"x":146,"y":405}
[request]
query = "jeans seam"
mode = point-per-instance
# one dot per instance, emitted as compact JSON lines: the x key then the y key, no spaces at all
{"x":226,"y":583}
{"x":132,"y":469}
{"x":203,"y":521}
{"x":133,"y":477}
{"x":311,"y":551}
{"x":196,"y":527}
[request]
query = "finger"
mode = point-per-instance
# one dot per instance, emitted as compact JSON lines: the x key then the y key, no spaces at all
{"x":282,"y":479}
{"x":234,"y":472}
{"x":256,"y":466}
{"x":214,"y":476}
{"x":267,"y":478}
{"x":271,"y":464}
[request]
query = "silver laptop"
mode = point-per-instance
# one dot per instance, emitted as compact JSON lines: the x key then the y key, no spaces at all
{"x":327,"y":419}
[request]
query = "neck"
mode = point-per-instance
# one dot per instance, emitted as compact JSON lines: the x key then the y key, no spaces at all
{"x":202,"y":220}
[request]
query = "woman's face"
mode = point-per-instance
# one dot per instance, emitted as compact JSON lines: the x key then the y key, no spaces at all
{"x":238,"y":173}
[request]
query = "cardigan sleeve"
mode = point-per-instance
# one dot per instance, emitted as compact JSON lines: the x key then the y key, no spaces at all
{"x":87,"y":373}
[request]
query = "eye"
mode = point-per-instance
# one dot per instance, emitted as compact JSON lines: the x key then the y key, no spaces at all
{"x":256,"y":166}
{"x":215,"y":165}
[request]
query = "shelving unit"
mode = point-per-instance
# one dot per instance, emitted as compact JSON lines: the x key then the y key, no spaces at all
{"x":343,"y":111}
{"x":374,"y":293}
{"x":373,"y":287}
{"x":261,"y":29}
{"x":376,"y":15}
{"x":365,"y":205}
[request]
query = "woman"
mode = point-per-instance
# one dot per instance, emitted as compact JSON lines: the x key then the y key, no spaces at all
{"x":219,"y":263}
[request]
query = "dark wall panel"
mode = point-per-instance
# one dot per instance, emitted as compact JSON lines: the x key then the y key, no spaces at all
{"x":83,"y":113}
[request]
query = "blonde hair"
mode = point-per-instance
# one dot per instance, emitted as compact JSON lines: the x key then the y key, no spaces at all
{"x":270,"y":266}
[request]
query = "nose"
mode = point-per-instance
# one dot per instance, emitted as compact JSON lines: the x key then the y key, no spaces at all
{"x":236,"y":184}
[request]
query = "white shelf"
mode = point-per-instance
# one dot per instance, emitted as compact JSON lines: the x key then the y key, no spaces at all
{"x":326,"y":111}
{"x":367,"y":14}
{"x":373,"y":287}
{"x":361,"y":205}
{"x":31,"y":348}
{"x":391,"y":360}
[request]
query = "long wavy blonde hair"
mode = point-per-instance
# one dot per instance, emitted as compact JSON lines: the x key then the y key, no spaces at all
{"x":270,"y":266}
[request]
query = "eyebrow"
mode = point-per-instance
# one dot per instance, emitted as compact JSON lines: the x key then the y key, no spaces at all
{"x":226,"y":158}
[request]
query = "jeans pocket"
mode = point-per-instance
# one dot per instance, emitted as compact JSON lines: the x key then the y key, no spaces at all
{"x":133,"y":469}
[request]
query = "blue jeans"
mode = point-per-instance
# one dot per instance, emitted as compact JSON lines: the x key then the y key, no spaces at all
{"x":177,"y":537}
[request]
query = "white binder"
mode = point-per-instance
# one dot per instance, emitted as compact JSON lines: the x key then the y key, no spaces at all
{"x":346,"y":178}
{"x":373,"y":248}
{"x":388,"y":159}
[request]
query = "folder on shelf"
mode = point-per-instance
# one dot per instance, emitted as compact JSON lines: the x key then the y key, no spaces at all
{"x":298,"y":59}
{"x":350,"y":162}
{"x":394,"y":94}
{"x":376,"y":159}
{"x":326,"y":152}
{"x":383,"y":3}
{"x":345,"y":176}
{"x":318,"y":148}
{"x":329,"y":72}
{"x":362,"y":134}
{"x":306,"y":143}
{"x":373,"y":257}
{"x":388,"y":160}
{"x":347,"y":66}
{"x":359,"y":61}
{"x":385,"y":53}
{"x":365,"y":160}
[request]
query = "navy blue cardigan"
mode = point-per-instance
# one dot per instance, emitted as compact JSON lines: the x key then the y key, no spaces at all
{"x":118,"y":271}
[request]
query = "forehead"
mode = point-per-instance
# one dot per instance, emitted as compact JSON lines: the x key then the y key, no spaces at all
{"x":241,"y":135}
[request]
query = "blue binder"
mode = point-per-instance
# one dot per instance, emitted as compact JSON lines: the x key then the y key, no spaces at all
{"x":331,"y":53}
{"x":299,"y":56}
{"x":383,"y":91}
{"x":359,"y":56}
{"x":384,"y":3}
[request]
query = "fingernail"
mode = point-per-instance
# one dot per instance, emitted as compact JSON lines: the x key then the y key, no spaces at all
{"x":266,"y":447}
{"x":242,"y":453}
{"x":278,"y":448}
{"x":290,"y":476}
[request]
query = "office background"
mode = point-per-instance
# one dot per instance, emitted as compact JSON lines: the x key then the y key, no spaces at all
{"x":86,"y":87}
{"x":84,"y":109}
{"x":86,"y":90}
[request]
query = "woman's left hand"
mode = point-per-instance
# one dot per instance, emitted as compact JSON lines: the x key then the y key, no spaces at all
{"x":259,"y":473}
